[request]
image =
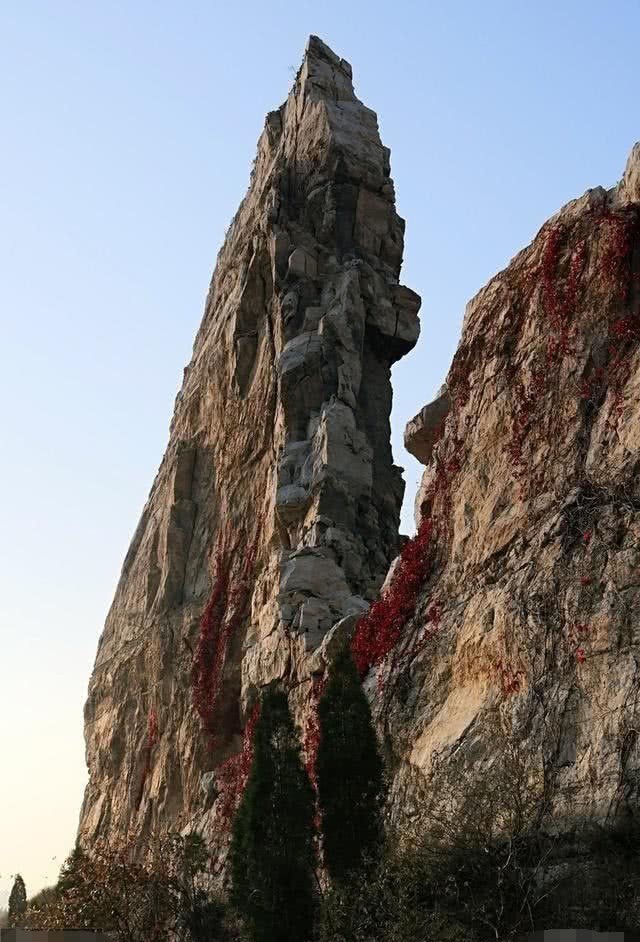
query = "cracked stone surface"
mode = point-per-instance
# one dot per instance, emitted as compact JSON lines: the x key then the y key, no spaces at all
{"x":533,"y":482}
{"x":280,"y":435}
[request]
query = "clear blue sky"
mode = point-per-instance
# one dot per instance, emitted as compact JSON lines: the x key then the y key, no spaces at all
{"x":128,"y":132}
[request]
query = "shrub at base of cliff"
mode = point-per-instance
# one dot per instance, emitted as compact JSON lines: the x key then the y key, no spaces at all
{"x":388,"y":906}
{"x":272,"y":850}
{"x":350,"y":772}
{"x":166,"y":896}
{"x":466,"y":868}
{"x":484,"y":860}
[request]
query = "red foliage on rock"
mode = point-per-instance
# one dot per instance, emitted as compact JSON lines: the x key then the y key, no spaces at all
{"x":232,"y":775}
{"x":379,"y":629}
{"x":510,"y":679}
{"x":223,"y":615}
{"x":311,"y":740}
{"x":152,"y":739}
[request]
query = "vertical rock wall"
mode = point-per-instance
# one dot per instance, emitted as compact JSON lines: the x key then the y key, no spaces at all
{"x":528,"y":614}
{"x":278,"y":467}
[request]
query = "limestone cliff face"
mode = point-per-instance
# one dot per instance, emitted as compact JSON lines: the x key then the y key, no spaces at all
{"x":278,"y":476}
{"x":529,"y":609}
{"x":273,"y":519}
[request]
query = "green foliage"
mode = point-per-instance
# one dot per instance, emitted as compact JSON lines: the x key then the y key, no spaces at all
{"x":351,"y":786}
{"x":465,"y":868}
{"x":272,"y":850}
{"x":17,"y":901}
{"x":391,"y":902}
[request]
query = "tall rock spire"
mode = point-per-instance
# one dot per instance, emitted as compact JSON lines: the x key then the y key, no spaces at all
{"x":277,"y":501}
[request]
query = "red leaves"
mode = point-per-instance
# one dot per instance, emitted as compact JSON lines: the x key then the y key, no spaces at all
{"x":380,"y":628}
{"x":526,"y":402}
{"x":311,"y":744}
{"x":624,"y":328}
{"x":560,"y":309}
{"x":510,"y":680}
{"x":590,"y":386}
{"x":222,"y":616}
{"x":208,"y":661}
{"x":616,"y":258}
{"x":233,"y":774}
{"x":575,"y":635}
{"x":152,"y":739}
{"x":621,"y":229}
{"x":434,"y":615}
{"x":312,"y":731}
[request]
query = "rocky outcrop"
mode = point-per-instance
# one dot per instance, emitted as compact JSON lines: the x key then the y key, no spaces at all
{"x":423,"y":431}
{"x":529,"y":517}
{"x":274,"y":515}
{"x":273,"y":520}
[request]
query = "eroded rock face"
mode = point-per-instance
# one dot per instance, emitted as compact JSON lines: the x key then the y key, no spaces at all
{"x":279,"y":447}
{"x":529,"y":612}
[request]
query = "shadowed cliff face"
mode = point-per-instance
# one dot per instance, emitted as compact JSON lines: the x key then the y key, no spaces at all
{"x":530,"y":601}
{"x":275,"y":510}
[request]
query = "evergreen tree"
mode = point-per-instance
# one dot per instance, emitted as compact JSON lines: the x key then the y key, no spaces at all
{"x":272,"y":849}
{"x":17,"y":901}
{"x":351,"y":784}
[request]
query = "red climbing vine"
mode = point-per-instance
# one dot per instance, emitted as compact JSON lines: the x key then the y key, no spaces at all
{"x":151,"y":741}
{"x":380,"y":628}
{"x":310,"y":746}
{"x":557,"y":284}
{"x":577,"y":633}
{"x":311,"y":739}
{"x":232,"y":775}
{"x":559,"y":277}
{"x":222,"y":616}
{"x":510,"y":678}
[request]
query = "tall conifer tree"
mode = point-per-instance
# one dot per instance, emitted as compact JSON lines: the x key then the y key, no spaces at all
{"x":272,"y":850}
{"x":350,"y":771}
{"x":17,"y":901}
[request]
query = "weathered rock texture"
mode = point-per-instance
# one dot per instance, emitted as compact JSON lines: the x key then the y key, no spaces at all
{"x":530,"y":605}
{"x":274,"y":517}
{"x":279,"y":461}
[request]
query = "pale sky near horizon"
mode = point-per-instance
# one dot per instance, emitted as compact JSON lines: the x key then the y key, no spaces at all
{"x":129,"y":128}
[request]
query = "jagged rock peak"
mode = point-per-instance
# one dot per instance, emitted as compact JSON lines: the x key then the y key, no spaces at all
{"x":324,"y":73}
{"x":274,"y":515}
